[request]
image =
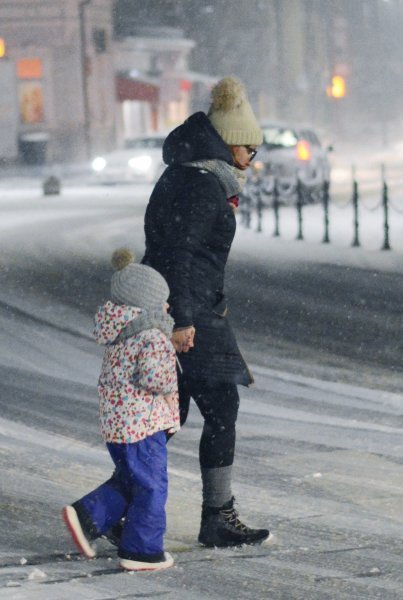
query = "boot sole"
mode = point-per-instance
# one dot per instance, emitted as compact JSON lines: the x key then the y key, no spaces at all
{"x":266,"y":542}
{"x":269,"y":540}
{"x":136,"y":565}
{"x":73,"y":525}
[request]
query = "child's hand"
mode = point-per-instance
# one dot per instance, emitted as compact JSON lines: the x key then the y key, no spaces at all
{"x":171,"y":400}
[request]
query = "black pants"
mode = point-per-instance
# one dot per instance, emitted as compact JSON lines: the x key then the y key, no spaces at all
{"x":218,"y":404}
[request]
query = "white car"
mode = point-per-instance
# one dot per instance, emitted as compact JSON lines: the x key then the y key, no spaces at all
{"x":289,"y":152}
{"x":139,"y":161}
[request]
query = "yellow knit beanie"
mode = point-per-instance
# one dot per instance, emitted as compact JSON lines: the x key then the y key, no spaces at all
{"x":231,"y":114}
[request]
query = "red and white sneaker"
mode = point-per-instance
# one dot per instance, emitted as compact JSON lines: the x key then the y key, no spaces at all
{"x":71,"y":519}
{"x":144,"y":565}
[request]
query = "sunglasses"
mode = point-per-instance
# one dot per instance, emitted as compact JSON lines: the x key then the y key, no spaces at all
{"x":251,"y":151}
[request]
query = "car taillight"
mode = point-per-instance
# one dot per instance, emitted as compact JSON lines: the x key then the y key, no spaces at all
{"x":303,"y":150}
{"x":257,"y":165}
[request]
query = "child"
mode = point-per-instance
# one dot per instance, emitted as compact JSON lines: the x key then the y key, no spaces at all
{"x":138,"y":406}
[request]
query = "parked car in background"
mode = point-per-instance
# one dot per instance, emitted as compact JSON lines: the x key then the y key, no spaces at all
{"x":139,"y":161}
{"x":289,"y":153}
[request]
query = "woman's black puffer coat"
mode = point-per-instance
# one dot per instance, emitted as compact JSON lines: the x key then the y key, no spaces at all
{"x":189,"y":229}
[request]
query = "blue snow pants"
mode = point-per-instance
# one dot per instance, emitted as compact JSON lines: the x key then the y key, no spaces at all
{"x":138,"y":489}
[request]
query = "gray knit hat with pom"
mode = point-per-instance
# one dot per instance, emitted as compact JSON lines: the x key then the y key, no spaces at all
{"x":135,"y":284}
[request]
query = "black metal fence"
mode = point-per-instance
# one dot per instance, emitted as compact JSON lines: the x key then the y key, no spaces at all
{"x":262,"y":194}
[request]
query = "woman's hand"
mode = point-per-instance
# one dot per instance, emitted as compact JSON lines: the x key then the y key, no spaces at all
{"x":182,"y":339}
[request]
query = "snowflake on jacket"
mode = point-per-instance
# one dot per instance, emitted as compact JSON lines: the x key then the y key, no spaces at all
{"x":137,"y":374}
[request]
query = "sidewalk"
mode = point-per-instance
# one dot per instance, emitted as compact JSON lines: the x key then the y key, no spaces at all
{"x":13,"y":176}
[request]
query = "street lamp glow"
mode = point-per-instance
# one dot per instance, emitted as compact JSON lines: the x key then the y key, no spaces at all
{"x":337,"y":89}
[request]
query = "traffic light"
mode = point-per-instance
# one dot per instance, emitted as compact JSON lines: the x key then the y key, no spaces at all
{"x":2,"y":48}
{"x":337,"y":88}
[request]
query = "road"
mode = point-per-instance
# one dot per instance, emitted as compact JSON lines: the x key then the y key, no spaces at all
{"x":319,"y":456}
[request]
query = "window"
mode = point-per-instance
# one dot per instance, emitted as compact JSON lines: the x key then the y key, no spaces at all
{"x":309,"y":135}
{"x":30,"y":92}
{"x":279,"y":136}
{"x":31,"y":102}
{"x":99,"y":39}
{"x":29,"y":68}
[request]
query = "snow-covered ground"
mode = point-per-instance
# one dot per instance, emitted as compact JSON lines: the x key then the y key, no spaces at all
{"x":370,"y":171}
{"x":319,"y":459}
{"x":341,"y":225}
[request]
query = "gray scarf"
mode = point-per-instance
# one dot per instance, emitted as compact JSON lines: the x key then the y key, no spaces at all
{"x":147,"y":320}
{"x":231,"y":178}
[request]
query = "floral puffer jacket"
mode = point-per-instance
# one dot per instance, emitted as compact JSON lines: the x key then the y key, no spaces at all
{"x":136,"y":375}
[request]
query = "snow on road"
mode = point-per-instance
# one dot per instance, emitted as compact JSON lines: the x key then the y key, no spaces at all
{"x":318,"y":460}
{"x":328,"y":478}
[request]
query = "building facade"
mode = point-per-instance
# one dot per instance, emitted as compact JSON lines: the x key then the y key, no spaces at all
{"x":289,"y":51}
{"x":89,"y":73}
{"x":63,"y":61}
{"x":80,"y":87}
{"x":155,"y":87}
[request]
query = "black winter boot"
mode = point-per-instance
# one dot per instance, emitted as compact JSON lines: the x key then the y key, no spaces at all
{"x":222,"y":528}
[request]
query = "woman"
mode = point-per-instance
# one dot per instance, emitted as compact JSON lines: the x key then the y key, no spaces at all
{"x":189,"y":227}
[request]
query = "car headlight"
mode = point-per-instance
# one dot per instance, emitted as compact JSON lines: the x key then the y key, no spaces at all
{"x":98,"y":164}
{"x":140,"y":164}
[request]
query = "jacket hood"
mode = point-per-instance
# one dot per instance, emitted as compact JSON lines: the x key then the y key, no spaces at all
{"x":195,"y":139}
{"x":110,"y":319}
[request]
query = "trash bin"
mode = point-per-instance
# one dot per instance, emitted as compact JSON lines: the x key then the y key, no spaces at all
{"x":32,"y":148}
{"x":51,"y":186}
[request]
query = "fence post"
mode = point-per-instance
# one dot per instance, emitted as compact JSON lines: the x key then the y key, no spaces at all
{"x":299,"y":209}
{"x":249,"y":212}
{"x":276,"y":204}
{"x":245,"y":209}
{"x":385,"y":202}
{"x":259,"y":210}
{"x":356,"y":240}
{"x":326,"y":186}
